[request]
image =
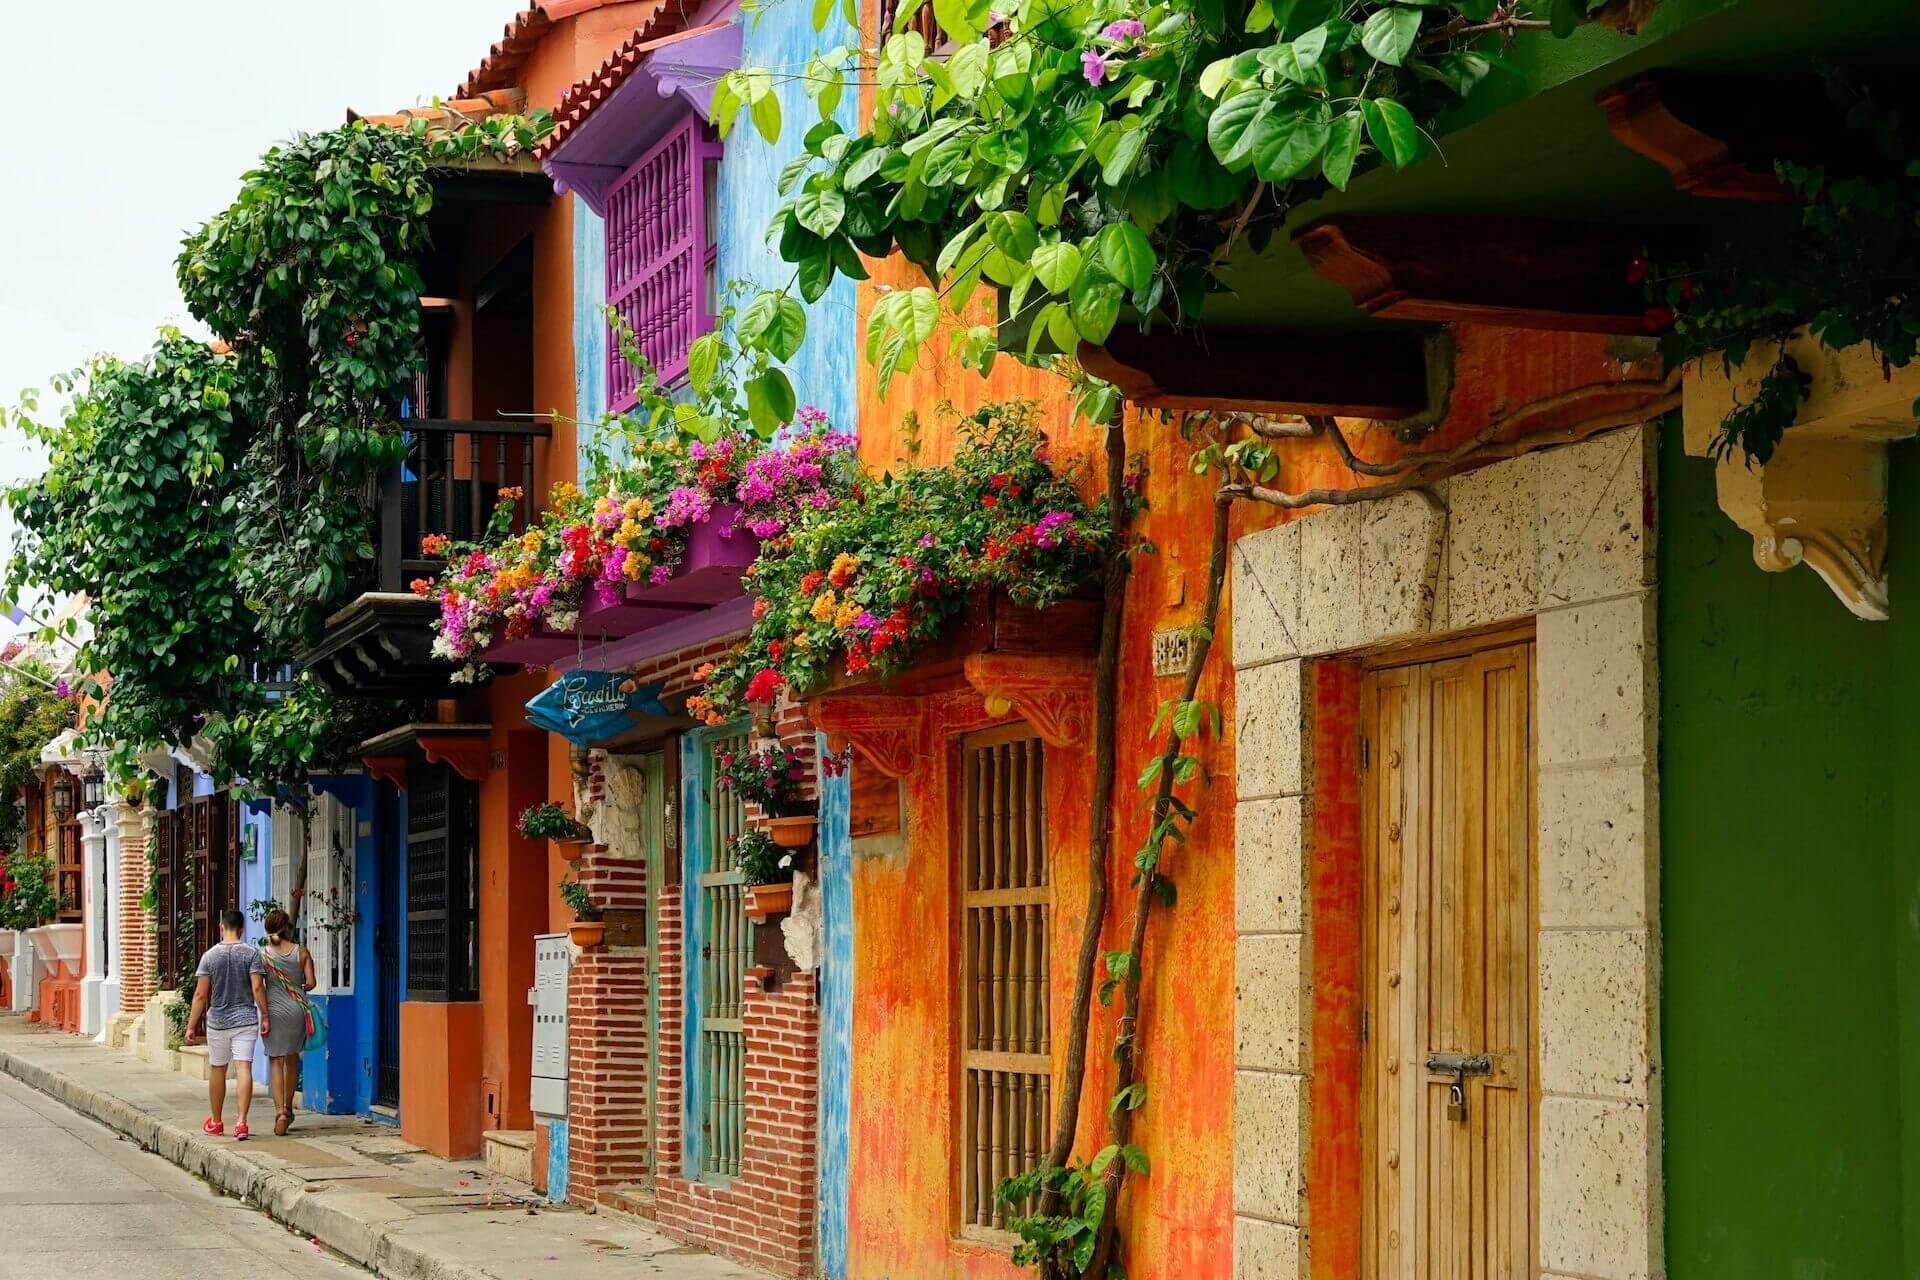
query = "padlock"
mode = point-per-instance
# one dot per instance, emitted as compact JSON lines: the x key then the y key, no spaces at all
{"x":1456,"y":1101}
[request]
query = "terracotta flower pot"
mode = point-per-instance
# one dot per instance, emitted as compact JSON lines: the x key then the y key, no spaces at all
{"x":587,"y":934}
{"x":572,"y":849}
{"x":764,"y":900}
{"x":792,"y":833}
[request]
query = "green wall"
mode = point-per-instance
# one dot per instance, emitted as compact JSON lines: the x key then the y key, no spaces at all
{"x":1790,"y":903}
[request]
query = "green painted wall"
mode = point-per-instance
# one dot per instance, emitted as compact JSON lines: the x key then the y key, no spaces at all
{"x":1790,"y":844}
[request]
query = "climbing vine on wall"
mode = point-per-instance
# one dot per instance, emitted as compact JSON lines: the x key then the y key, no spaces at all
{"x":213,"y":501}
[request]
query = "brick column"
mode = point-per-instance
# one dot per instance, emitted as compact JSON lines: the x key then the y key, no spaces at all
{"x":135,"y":940}
{"x":607,"y":1044}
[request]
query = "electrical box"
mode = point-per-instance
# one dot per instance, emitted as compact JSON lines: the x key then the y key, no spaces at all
{"x":549,"y":1000}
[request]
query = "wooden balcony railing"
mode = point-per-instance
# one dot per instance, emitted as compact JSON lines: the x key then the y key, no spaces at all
{"x":448,"y":483}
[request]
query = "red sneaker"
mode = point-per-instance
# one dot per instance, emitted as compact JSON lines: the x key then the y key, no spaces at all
{"x":240,"y":1132}
{"x":214,"y":1126}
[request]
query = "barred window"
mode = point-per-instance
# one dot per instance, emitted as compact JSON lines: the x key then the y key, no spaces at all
{"x":1006,"y":1065}
{"x":726,"y":945}
{"x":660,"y":256}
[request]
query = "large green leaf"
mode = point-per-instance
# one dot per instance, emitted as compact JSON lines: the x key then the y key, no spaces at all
{"x":1393,"y":130}
{"x":1389,"y":34}
{"x":821,"y":211}
{"x":1232,"y":128}
{"x":1125,"y":253}
{"x":1095,"y":305}
{"x":1057,"y":266}
{"x":770,"y":401}
{"x":1343,"y":148}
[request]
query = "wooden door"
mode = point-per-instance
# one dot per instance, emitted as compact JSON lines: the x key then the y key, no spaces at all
{"x":1448,"y":868}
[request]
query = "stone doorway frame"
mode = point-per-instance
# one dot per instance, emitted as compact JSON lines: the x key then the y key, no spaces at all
{"x":1564,"y":536}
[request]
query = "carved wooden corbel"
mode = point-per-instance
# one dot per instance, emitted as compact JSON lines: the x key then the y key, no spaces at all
{"x":886,"y":731}
{"x":1821,"y":499}
{"x":1054,"y":695}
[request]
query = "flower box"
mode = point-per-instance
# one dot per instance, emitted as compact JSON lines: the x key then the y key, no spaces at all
{"x":587,"y":934}
{"x":767,"y":900}
{"x":709,"y":573}
{"x":794,"y":832}
{"x":989,"y":623}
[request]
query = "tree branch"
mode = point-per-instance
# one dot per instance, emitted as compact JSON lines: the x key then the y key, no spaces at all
{"x":1106,"y":679}
{"x":1126,"y":1049}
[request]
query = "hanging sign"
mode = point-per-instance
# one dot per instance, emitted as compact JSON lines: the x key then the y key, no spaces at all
{"x":592,"y":706}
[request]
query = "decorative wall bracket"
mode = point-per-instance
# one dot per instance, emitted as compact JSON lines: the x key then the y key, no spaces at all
{"x":885,"y":730}
{"x":1054,"y":695}
{"x":1821,"y":499}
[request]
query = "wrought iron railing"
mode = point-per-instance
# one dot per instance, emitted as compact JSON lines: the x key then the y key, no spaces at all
{"x":448,"y":483}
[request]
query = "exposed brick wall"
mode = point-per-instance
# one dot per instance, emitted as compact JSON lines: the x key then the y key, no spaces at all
{"x":765,"y":1214}
{"x":136,"y":940}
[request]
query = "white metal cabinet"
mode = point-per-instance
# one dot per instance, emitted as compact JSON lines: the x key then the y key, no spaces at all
{"x":548,"y":997}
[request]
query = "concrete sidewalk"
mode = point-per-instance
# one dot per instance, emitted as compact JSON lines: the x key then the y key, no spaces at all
{"x":354,"y":1185}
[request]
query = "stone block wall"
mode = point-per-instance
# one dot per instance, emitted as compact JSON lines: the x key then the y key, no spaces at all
{"x":1563,"y":536}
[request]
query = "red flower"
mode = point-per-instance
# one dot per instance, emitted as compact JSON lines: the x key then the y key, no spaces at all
{"x":764,"y":685}
{"x":774,"y":649}
{"x":1659,"y":317}
{"x":1686,"y":288}
{"x":988,"y":500}
{"x":811,"y":583}
{"x":1636,"y":269}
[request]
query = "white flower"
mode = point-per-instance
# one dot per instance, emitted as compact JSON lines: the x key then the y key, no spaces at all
{"x":443,"y":649}
{"x":786,"y":861}
{"x":563,"y":620}
{"x":465,"y":675}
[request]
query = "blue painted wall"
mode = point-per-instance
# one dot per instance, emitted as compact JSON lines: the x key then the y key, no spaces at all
{"x":836,"y":1020}
{"x":556,"y":1157}
{"x":782,"y":35}
{"x":589,"y":326}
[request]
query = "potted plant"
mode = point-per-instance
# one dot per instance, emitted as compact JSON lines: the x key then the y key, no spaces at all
{"x":768,"y":868}
{"x":33,"y":901}
{"x":551,"y":822}
{"x":586,"y":931}
{"x":771,"y":776}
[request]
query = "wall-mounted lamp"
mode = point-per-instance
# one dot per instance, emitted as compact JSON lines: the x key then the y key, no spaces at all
{"x":63,"y":798}
{"x":93,"y":791}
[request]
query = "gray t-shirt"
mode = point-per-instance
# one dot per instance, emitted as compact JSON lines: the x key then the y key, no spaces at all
{"x":230,"y":968}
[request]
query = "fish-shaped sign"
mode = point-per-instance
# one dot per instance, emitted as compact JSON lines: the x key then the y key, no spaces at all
{"x":593,"y":706}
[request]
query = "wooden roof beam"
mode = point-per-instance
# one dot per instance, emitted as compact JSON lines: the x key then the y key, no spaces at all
{"x":1518,"y":272}
{"x":1270,"y":371}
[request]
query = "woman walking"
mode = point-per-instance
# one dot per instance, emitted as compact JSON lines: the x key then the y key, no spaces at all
{"x":289,"y":978}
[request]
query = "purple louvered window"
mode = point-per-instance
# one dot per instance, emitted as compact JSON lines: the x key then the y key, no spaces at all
{"x":660,"y":256}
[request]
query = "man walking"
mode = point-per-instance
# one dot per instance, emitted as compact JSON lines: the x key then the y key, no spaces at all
{"x":230,"y":1002}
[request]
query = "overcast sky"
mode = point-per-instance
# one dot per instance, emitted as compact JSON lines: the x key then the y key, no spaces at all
{"x":133,"y":121}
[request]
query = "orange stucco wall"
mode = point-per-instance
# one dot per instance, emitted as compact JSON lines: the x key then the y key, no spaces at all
{"x":439,"y":1090}
{"x":1177,"y":1222}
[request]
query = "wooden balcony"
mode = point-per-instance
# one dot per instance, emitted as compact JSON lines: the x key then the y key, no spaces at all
{"x":380,"y":644}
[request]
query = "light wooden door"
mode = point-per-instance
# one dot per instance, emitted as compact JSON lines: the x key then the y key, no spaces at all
{"x":1448,"y":869}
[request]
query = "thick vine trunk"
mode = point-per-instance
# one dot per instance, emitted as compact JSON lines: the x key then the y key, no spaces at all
{"x":1106,"y":681}
{"x":1127,"y":1047}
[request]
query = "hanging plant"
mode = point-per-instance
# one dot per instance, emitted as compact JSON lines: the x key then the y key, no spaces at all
{"x":859,"y":584}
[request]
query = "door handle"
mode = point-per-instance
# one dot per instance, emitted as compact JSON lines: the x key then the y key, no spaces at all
{"x":1459,"y":1066}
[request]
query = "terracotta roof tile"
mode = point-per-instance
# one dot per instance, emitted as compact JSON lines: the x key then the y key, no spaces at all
{"x":498,"y":69}
{"x":477,"y":107}
{"x":583,"y":98}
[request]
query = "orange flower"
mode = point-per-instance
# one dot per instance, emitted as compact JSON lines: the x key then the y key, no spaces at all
{"x":422,"y":586}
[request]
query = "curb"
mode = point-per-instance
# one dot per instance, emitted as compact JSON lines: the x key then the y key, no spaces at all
{"x":281,"y":1196}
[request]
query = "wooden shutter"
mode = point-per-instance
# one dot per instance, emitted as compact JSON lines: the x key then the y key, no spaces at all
{"x":726,"y":943}
{"x":1448,"y":868}
{"x":657,"y":253}
{"x":1006,"y":1068}
{"x":69,"y":872}
{"x":166,"y":905}
{"x":442,"y":884}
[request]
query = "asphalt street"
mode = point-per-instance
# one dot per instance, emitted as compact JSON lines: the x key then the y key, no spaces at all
{"x":77,"y":1202}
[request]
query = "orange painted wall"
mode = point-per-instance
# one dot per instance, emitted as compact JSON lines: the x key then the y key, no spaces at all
{"x":439,"y":1090}
{"x":1178,"y":1222}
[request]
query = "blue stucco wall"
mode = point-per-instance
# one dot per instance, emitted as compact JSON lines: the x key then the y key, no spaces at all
{"x":589,"y":326}
{"x":782,"y":35}
{"x":556,"y":1157}
{"x":836,"y":1020}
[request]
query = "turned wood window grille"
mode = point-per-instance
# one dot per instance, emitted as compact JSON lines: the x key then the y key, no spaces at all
{"x":1006,"y":1066}
{"x":661,"y":256}
{"x":69,"y":871}
{"x":726,"y":946}
{"x":328,"y":904}
{"x":443,"y":848}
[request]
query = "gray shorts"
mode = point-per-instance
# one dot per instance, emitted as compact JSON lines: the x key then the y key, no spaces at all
{"x":224,"y":1047}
